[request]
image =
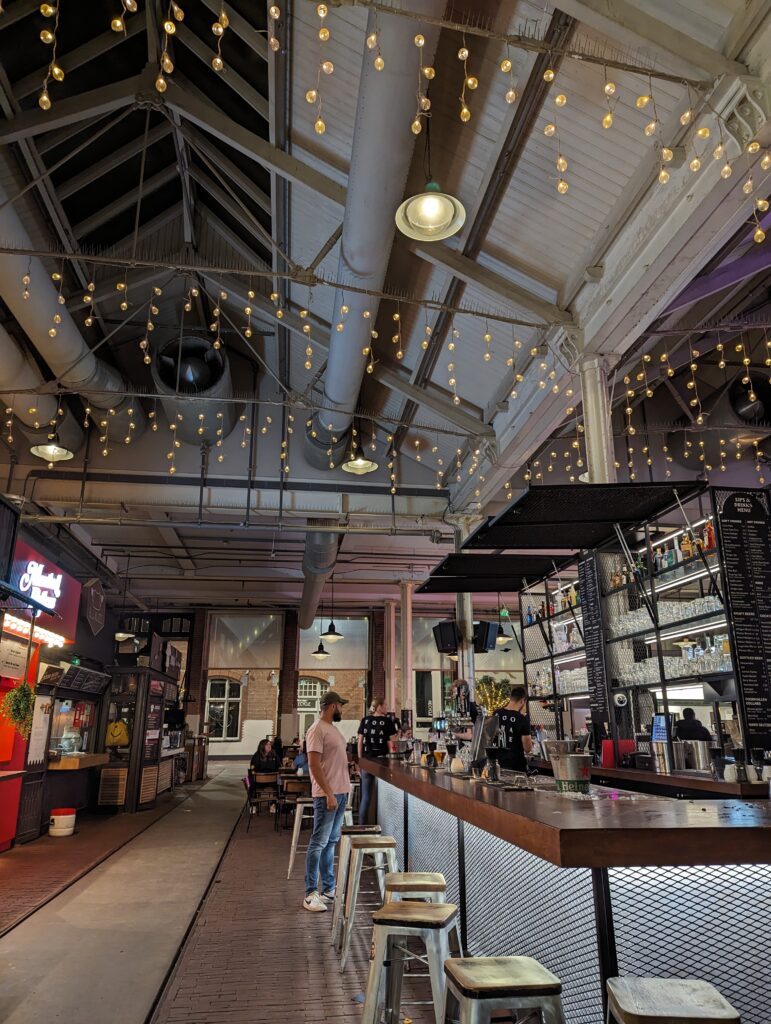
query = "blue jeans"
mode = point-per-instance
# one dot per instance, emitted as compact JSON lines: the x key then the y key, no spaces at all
{"x":368,"y":783}
{"x":321,"y":849}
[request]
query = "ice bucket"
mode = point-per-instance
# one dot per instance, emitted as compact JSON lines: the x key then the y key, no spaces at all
{"x":572,"y":772}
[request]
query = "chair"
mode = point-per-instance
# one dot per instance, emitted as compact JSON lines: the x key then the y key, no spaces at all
{"x":291,"y":788}
{"x":265,"y":788}
{"x":484,"y":984}
{"x":667,"y":1001}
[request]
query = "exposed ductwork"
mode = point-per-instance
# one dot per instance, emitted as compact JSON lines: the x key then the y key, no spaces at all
{"x":318,"y":562}
{"x":380,"y":162}
{"x":66,"y":353}
{"x":19,"y":378}
{"x":192,"y":366}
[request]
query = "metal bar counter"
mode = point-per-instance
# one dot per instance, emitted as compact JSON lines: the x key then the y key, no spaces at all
{"x":592,"y":888}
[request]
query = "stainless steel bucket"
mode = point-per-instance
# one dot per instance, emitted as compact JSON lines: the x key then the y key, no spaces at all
{"x":681,"y":751}
{"x":556,"y":748}
{"x":572,"y":772}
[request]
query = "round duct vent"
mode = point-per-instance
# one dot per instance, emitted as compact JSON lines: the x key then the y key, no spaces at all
{"x":751,"y":409}
{"x":191,"y":364}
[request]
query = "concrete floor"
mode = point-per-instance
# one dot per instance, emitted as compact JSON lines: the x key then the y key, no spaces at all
{"x":99,"y":953}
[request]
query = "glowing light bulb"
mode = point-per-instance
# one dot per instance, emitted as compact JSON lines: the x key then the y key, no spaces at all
{"x":505,"y":65}
{"x":511,"y":96}
{"x":429,"y":73}
{"x":760,"y":235}
{"x":550,"y":129}
{"x":548,"y":75}
{"x":419,"y":40}
{"x":378,"y":63}
{"x":319,"y":126}
{"x":610,"y":88}
{"x":161,"y":84}
{"x":44,"y":100}
{"x":703,"y":132}
{"x":47,"y":36}
{"x":561,"y":99}
{"x":666,"y":154}
{"x":761,"y":204}
{"x":685,"y":117}
{"x":562,"y":186}
{"x":57,"y":72}
{"x":562,"y":164}
{"x":463,"y":53}
{"x":372,"y":40}
{"x":695,"y":164}
{"x":726,"y":171}
{"x":663,"y":176}
{"x":607,"y":120}
{"x":311,"y":96}
{"x":217,"y":62}
{"x":416,"y":127}
{"x":327,"y":67}
{"x":650,"y":128}
{"x":324,"y":34}
{"x":465,"y":114}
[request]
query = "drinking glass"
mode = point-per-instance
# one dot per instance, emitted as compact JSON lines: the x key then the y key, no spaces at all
{"x":439,"y":756}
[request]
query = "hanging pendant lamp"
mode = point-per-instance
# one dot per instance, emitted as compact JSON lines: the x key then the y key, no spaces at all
{"x":330,"y":634}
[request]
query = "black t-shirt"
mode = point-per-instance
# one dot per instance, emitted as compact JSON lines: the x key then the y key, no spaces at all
{"x":266,"y":763}
{"x":515,"y":725}
{"x":377,"y":730}
{"x":692,"y":729}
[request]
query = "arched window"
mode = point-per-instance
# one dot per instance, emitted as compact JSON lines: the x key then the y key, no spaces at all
{"x":223,"y":708}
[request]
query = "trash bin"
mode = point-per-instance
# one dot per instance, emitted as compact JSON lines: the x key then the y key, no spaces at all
{"x":62,"y":821}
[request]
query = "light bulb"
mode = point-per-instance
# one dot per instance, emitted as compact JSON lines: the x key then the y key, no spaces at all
{"x":548,"y":75}
{"x":274,"y":12}
{"x":747,"y":187}
{"x":48,"y":37}
{"x":416,"y":127}
{"x":765,"y":163}
{"x":472,"y":82}
{"x":607,"y":120}
{"x":217,"y":28}
{"x":319,"y":127}
{"x":726,"y":171}
{"x":550,"y":129}
{"x":57,"y":72}
{"x":561,"y":99}
{"x":372,"y":40}
{"x":465,"y":114}
{"x":650,"y":128}
{"x":642,"y":101}
{"x":161,"y":84}
{"x":463,"y":53}
{"x":311,"y":96}
{"x":429,"y":73}
{"x":505,"y":65}
{"x":760,"y":235}
{"x":663,"y":176}
{"x":419,"y":40}
{"x":217,"y":62}
{"x":511,"y":96}
{"x":562,"y":164}
{"x":703,"y":132}
{"x":378,"y":63}
{"x":327,"y":67}
{"x":685,"y":117}
{"x":695,"y":164}
{"x":47,"y":10}
{"x":761,"y":204}
{"x":666,"y":154}
{"x":562,"y":186}
{"x":324,"y":34}
{"x":44,"y":100}
{"x":610,"y":88}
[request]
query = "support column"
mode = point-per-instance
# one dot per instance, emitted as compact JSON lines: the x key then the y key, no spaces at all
{"x":408,"y":681}
{"x":377,"y":672}
{"x":598,"y":427}
{"x":464,"y":613}
{"x":289,"y":672}
{"x":389,"y":654}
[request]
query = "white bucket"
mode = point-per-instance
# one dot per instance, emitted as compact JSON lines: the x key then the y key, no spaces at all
{"x":62,"y":821}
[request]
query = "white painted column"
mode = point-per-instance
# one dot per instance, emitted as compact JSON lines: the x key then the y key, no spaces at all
{"x":408,"y":680}
{"x":389,"y":654}
{"x":464,"y":613}
{"x":598,"y":428}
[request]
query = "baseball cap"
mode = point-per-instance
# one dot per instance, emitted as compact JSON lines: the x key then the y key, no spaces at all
{"x":330,"y":697}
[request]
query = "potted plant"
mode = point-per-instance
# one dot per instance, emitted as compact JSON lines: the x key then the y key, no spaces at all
{"x":18,"y":707}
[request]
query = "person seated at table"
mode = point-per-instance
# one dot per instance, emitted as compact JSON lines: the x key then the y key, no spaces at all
{"x":265,"y":758}
{"x":301,"y":761}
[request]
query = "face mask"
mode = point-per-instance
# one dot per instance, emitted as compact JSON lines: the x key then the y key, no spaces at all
{"x":338,"y":716}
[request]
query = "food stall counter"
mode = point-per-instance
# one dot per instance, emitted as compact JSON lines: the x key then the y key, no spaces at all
{"x":75,"y":763}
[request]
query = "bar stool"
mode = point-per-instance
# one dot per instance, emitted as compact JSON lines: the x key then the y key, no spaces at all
{"x":343,"y":862}
{"x":415,"y":885}
{"x":667,"y":1001}
{"x":381,"y":848}
{"x":429,"y":922}
{"x":302,"y":812}
{"x":482,"y":984}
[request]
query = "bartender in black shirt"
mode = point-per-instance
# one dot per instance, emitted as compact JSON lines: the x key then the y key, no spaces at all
{"x":375,"y":732}
{"x":690,"y":728}
{"x":515,"y":723}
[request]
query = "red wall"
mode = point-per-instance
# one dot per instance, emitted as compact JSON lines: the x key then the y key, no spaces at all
{"x":13,"y":750}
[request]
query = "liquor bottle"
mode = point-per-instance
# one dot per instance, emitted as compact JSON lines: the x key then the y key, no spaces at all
{"x":578,"y":597}
{"x":686,"y":547}
{"x":572,"y":596}
{"x":709,"y":535}
{"x":529,"y":618}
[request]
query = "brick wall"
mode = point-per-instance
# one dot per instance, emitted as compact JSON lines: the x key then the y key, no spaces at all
{"x":347,"y":682}
{"x":261,"y":696}
{"x":290,"y":657}
{"x":377,"y":680}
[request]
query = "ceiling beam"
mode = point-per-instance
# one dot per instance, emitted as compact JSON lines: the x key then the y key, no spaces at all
{"x":238,"y":211}
{"x":18,"y":11}
{"x":183,"y":166}
{"x":124,"y":202}
{"x":74,"y":109}
{"x":119,"y":156}
{"x":460,"y":266}
{"x":199,"y":141}
{"x":756,"y":261}
{"x":76,"y":58}
{"x":633,"y":27}
{"x":230,"y":77}
{"x":211,"y":119}
{"x":255,"y":40}
{"x":149,"y":227}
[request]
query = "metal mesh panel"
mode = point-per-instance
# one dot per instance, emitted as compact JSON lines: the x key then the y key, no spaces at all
{"x":534,"y":639}
{"x":712,"y":923}
{"x":433,"y":843}
{"x":390,"y":816}
{"x":518,"y":904}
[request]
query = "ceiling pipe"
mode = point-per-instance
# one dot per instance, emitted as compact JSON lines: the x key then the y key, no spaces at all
{"x":20,"y":385}
{"x":380,"y":161}
{"x":66,"y":353}
{"x":318,"y":562}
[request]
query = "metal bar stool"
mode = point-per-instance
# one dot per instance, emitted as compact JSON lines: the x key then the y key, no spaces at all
{"x":381,"y":848}
{"x":302,"y":812}
{"x":482,"y":984}
{"x":343,"y":863}
{"x":667,"y":1001}
{"x":429,"y":922}
{"x":420,"y":885}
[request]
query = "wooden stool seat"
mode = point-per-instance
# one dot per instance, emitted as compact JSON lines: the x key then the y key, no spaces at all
{"x":360,"y":830}
{"x":667,"y":1001}
{"x":372,"y":842}
{"x":416,"y":915}
{"x":498,"y":977}
{"x":304,"y":800}
{"x":414,"y":881}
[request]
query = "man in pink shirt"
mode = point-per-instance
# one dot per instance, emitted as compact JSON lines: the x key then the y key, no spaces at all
{"x":328,"y":763}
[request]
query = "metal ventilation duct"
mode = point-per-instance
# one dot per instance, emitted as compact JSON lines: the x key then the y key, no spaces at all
{"x":19,"y":377}
{"x":318,"y":562}
{"x":380,"y":161}
{"x":67,"y":353}
{"x":188,"y":367}
{"x":729,"y":413}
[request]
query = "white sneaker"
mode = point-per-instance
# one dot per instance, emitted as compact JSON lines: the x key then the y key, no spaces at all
{"x":328,"y":897}
{"x":314,"y":903}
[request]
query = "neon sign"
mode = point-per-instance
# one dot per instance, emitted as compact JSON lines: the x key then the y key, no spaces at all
{"x":45,"y":588}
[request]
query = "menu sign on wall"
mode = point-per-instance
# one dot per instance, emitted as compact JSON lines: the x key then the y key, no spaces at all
{"x":744,"y":530}
{"x":594,"y":642}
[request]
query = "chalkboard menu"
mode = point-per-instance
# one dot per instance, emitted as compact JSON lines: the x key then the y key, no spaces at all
{"x":75,"y":678}
{"x":591,"y":601}
{"x":744,"y":531}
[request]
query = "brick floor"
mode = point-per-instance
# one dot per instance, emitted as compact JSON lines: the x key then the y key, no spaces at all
{"x":36,"y":872}
{"x":254,"y":955}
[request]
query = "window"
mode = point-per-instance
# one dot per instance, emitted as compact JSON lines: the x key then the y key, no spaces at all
{"x":223,"y":708}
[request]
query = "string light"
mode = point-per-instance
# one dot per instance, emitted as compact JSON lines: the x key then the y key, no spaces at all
{"x":424,"y":103}
{"x":26,"y":280}
{"x":274,"y":13}
{"x":218,"y":28}
{"x":487,"y":338}
{"x":508,"y":69}
{"x":174,"y":13}
{"x":609,"y":92}
{"x":118,"y":23}
{"x":54,"y":70}
{"x":470,"y":82}
{"x":373,"y":44}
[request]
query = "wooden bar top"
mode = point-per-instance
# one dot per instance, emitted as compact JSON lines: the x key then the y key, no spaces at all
{"x":617,"y":830}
